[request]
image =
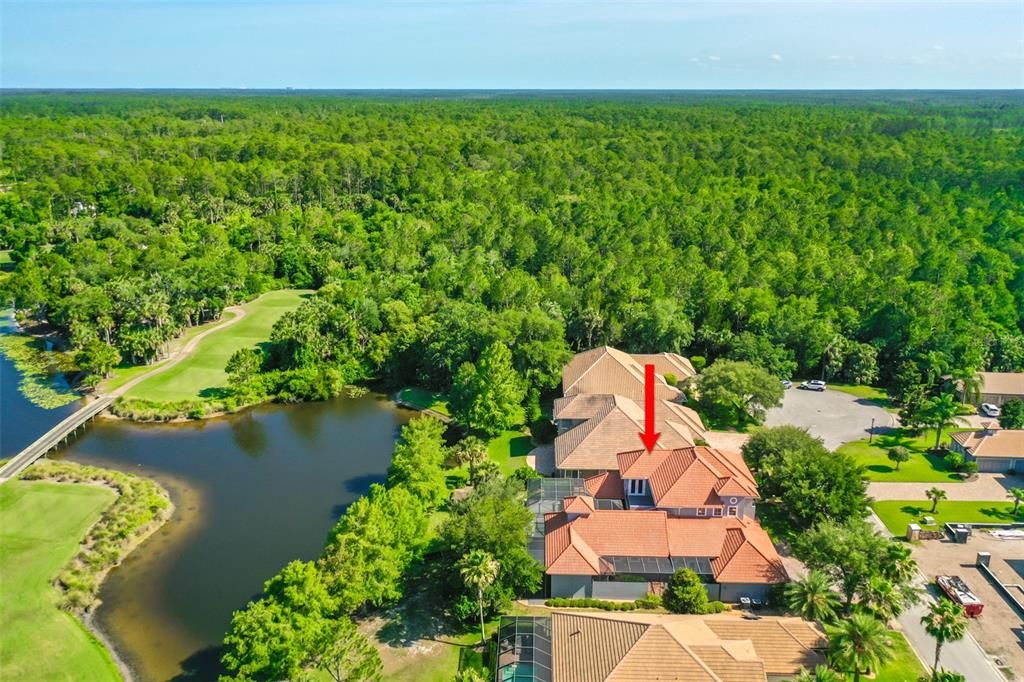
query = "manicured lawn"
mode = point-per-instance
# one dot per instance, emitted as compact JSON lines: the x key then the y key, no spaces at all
{"x":509,"y":450}
{"x":41,"y":525}
{"x":905,"y":665}
{"x":202,"y":373}
{"x":878,"y":396}
{"x":423,"y":399}
{"x":922,"y":466}
{"x":896,"y":514}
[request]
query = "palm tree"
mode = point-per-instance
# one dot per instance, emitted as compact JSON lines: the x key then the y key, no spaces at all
{"x":969,"y":382}
{"x":941,"y":412}
{"x":883,"y":599}
{"x":812,"y":597}
{"x":933,"y":364}
{"x":479,"y":570}
{"x":470,"y":451}
{"x":936,"y":495}
{"x":859,"y":643}
{"x":946,"y":622}
{"x":1018,"y":496}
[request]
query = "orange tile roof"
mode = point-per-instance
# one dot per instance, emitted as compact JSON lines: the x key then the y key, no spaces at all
{"x":639,"y":647}
{"x":606,"y":485}
{"x":740,"y":550}
{"x":613,"y":424}
{"x":579,"y":504}
{"x":689,"y":477}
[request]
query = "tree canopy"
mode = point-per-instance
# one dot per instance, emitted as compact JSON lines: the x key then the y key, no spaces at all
{"x":844,"y":234}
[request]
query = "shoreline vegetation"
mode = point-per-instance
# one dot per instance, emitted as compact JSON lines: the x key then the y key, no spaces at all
{"x":43,"y":371}
{"x":139,"y":508}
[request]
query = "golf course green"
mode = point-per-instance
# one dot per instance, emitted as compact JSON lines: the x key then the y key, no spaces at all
{"x":203,"y":370}
{"x":41,"y":525}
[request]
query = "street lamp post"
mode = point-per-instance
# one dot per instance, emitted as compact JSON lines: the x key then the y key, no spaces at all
{"x":871,"y":433}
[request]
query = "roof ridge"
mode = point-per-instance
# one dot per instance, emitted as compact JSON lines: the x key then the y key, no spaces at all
{"x":796,"y":639}
{"x":587,"y":370}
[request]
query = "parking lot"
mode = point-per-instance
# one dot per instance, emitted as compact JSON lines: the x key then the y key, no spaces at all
{"x":833,"y":416}
{"x":999,"y":629}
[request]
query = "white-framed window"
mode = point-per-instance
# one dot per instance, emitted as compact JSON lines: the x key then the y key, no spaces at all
{"x":717,"y":511}
{"x":702,"y":511}
{"x":734,"y":511}
{"x":637,"y":486}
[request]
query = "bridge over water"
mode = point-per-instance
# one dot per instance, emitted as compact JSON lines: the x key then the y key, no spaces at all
{"x":57,"y":435}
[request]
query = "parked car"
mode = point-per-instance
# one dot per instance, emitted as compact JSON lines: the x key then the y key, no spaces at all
{"x":786,"y":383}
{"x":989,"y":410}
{"x":813,"y":385}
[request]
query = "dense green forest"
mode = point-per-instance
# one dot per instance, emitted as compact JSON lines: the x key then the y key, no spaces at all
{"x":856,"y":235}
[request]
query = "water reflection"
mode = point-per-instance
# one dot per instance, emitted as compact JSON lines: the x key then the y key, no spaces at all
{"x":253,"y":492}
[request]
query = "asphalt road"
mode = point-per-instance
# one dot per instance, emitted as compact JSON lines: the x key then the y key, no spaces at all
{"x":833,"y":416}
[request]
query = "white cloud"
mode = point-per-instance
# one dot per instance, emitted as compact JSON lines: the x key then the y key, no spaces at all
{"x":714,"y":58}
{"x":694,"y":59}
{"x":776,"y":57}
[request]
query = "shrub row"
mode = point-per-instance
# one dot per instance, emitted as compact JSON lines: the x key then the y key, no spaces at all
{"x":140,"y":505}
{"x":650,"y":601}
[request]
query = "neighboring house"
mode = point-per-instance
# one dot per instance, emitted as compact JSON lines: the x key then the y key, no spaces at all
{"x":995,"y":450}
{"x":594,"y":429}
{"x":635,"y":647}
{"x":609,"y":371}
{"x":695,"y":481}
{"x":591,"y":552}
{"x":998,"y":387}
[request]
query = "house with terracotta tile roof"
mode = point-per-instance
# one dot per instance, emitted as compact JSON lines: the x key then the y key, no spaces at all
{"x":624,"y":554}
{"x":607,"y":370}
{"x":634,"y":647}
{"x":594,"y":429}
{"x":995,"y":450}
{"x":694,"y":481}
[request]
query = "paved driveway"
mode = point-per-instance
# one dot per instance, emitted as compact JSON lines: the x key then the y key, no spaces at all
{"x":833,"y":416}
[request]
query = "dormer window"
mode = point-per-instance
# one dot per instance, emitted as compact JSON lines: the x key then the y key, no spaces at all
{"x":637,"y":486}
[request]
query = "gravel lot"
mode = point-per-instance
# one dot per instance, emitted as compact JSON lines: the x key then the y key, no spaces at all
{"x":833,"y":416}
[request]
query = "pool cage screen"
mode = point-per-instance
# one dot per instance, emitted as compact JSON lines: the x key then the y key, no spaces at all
{"x":524,"y":649}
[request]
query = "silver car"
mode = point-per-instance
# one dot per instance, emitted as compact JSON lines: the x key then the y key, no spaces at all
{"x":989,"y":410}
{"x":813,"y":385}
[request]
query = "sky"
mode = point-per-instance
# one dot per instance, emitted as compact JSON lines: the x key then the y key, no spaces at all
{"x":485,"y":44}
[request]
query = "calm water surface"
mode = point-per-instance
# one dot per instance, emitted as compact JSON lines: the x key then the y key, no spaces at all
{"x":253,"y":491}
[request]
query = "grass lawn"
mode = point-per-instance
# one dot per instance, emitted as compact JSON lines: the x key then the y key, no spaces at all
{"x":423,"y":399}
{"x":878,"y":396}
{"x":41,"y":525}
{"x":202,"y":373}
{"x":896,"y":514}
{"x":905,"y":665}
{"x":922,"y":466}
{"x":509,"y":450}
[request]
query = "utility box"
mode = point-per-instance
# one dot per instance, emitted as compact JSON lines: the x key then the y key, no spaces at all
{"x":983,"y":558}
{"x":960,"y":534}
{"x":913,"y":532}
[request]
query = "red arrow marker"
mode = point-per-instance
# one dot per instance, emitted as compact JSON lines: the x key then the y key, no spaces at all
{"x":648,"y":436}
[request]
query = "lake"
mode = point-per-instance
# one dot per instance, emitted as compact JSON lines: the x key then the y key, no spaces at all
{"x":253,"y":491}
